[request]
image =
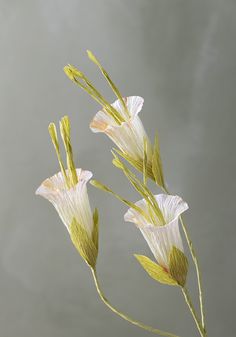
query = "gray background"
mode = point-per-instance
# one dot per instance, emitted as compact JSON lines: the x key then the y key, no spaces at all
{"x":181,"y":57}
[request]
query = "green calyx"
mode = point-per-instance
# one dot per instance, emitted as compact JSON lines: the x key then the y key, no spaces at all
{"x":155,"y":271}
{"x":86,"y":245}
{"x":177,"y":270}
{"x":157,"y":169}
{"x":178,"y":266}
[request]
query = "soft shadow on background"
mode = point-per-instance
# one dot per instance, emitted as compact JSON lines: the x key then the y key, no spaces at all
{"x":181,"y":57}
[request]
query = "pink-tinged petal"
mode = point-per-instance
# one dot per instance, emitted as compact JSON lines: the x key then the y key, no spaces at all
{"x":101,"y":122}
{"x":70,"y":203}
{"x":129,"y":135}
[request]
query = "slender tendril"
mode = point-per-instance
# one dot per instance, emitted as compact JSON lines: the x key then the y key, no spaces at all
{"x":124,"y":316}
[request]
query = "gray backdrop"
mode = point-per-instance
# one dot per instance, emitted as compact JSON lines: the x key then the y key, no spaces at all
{"x":181,"y":57}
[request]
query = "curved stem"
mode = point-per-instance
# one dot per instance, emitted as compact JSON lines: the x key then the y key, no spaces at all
{"x":193,"y":312}
{"x":124,"y":316}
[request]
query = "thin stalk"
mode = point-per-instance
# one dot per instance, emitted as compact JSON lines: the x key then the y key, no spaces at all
{"x":124,"y":316}
{"x":193,"y":312}
{"x":196,"y":263}
{"x":199,"y":278}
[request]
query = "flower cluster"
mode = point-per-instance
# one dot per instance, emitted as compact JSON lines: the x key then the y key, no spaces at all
{"x":158,"y":219}
{"x":155,"y":215}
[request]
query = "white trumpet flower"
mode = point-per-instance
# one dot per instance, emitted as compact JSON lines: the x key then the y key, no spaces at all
{"x":67,"y":191}
{"x":128,"y":135}
{"x":121,"y":123}
{"x":161,"y":238}
{"x":71,"y":203}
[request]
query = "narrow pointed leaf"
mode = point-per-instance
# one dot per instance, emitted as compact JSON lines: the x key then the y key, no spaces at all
{"x":140,"y":188}
{"x":145,"y":161}
{"x":107,"y":77}
{"x":81,"y":80}
{"x":104,"y":188}
{"x":157,"y":164}
{"x":137,"y":164}
{"x":178,"y":264}
{"x":155,"y":271}
{"x":95,"y":233}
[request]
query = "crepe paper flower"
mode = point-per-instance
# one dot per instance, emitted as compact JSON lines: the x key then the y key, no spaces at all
{"x":129,"y":135}
{"x":121,"y":123}
{"x":67,"y":191}
{"x":164,"y":241}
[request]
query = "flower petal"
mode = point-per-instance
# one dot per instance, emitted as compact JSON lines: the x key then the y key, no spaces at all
{"x":134,"y":216}
{"x":134,"y":105}
{"x":172,"y":206}
{"x":70,"y":203}
{"x":160,"y":239}
{"x":129,"y":135}
{"x":101,"y":122}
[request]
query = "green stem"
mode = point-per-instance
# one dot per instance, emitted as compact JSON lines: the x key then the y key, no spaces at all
{"x":195,"y":260}
{"x":124,"y":316}
{"x":199,"y":278}
{"x":193,"y":312}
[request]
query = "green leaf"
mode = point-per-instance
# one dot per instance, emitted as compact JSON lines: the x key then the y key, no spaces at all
{"x":110,"y":82}
{"x":95,"y":233}
{"x":157,"y":164}
{"x":155,"y":271}
{"x":178,"y":264}
{"x":83,"y":82}
{"x":83,"y":243}
{"x":145,"y":161}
